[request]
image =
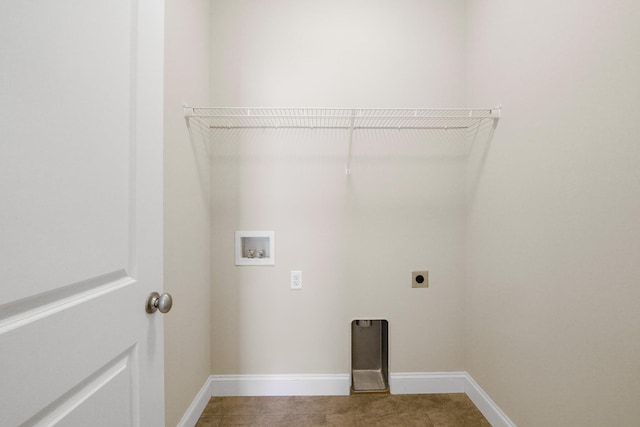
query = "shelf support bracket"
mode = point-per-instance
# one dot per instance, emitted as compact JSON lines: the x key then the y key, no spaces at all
{"x":188,"y":111}
{"x":351,"y":125}
{"x":188,"y":115}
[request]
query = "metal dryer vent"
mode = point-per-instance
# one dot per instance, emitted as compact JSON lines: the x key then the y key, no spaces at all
{"x":369,"y":356}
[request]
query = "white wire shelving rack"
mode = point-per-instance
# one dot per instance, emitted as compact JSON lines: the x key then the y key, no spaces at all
{"x":349,"y":119}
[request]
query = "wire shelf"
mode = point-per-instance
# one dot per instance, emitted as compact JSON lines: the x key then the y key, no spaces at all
{"x":340,"y":118}
{"x":469,"y":120}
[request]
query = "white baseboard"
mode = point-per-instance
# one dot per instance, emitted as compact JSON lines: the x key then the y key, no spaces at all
{"x":489,"y":409}
{"x":339,"y":385}
{"x":191,"y":416}
{"x":280,"y":385}
{"x":427,"y":382}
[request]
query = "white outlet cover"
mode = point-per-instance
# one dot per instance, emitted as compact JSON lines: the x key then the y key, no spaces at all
{"x":296,"y":279}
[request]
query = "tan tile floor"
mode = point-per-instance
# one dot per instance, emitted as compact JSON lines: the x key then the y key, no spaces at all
{"x":428,"y":410}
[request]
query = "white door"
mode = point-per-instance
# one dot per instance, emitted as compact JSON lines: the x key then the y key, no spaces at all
{"x":80,"y":212}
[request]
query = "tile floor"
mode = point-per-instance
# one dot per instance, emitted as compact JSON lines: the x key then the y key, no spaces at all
{"x":428,"y":410}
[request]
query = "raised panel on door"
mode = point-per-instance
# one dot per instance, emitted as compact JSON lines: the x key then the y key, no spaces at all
{"x":65,"y":144}
{"x":78,"y":253}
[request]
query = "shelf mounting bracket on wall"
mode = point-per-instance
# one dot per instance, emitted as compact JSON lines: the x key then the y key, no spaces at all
{"x":348,"y":169}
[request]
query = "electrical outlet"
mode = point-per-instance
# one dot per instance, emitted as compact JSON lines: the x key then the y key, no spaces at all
{"x":296,"y":279}
{"x":420,"y":279}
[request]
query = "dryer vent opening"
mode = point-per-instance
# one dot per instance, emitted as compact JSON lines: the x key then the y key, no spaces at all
{"x":369,"y":356}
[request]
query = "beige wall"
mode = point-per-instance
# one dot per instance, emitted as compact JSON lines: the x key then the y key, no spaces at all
{"x":554,"y":225}
{"x":187,"y":273}
{"x":356,"y":238}
{"x":534,"y":269}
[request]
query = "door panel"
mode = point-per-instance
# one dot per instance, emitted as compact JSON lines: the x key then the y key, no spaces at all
{"x":81,"y":212}
{"x":65,"y":163}
{"x":106,"y":398}
{"x":52,"y":353}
